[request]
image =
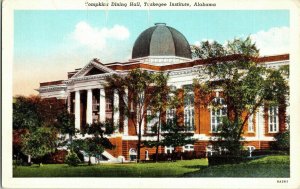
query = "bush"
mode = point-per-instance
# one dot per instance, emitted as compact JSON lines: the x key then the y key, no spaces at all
{"x":223,"y":159}
{"x":268,"y":152}
{"x":179,"y":156}
{"x":56,"y":157}
{"x":80,"y":155}
{"x":72,"y":159}
{"x":282,"y":141}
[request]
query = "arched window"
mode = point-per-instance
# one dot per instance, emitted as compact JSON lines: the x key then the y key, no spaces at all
{"x":132,"y":154}
{"x":217,"y":113}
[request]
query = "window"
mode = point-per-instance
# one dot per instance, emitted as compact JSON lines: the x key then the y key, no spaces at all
{"x":250,"y":149}
{"x":108,"y":108}
{"x":151,"y":121}
{"x":189,"y":111}
{"x":273,"y":120}
{"x":108,"y":104}
{"x":188,"y":148}
{"x":209,"y":150}
{"x":169,"y":149}
{"x":250,"y":123}
{"x":170,"y":115}
{"x":146,"y":154}
{"x":132,"y":154}
{"x":218,"y":112}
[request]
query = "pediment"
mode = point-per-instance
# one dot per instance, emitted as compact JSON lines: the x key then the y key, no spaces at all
{"x":94,"y":67}
{"x":94,"y":71}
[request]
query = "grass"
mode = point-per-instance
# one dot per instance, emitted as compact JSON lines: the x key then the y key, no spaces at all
{"x":271,"y":166}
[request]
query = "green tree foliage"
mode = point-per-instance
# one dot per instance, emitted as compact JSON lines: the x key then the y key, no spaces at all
{"x":245,"y":85}
{"x":160,"y":102}
{"x":227,"y":142}
{"x":66,"y":123}
{"x":143,"y":93}
{"x":39,"y":142}
{"x":167,"y":98}
{"x":175,"y":136}
{"x":93,"y":145}
{"x":99,"y":129}
{"x":72,"y":159}
{"x":31,"y":114}
{"x":282,"y":141}
{"x":25,"y":113}
{"x":208,"y":50}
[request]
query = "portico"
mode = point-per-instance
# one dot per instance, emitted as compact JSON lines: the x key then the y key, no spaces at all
{"x":93,"y":105}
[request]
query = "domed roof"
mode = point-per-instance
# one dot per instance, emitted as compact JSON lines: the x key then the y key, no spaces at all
{"x":161,"y":40}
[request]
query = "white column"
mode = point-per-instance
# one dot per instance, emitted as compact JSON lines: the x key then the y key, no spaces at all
{"x":89,"y":107}
{"x":139,"y":113}
{"x":29,"y":159}
{"x":77,"y":110}
{"x":260,"y":127}
{"x":69,"y":102}
{"x":102,"y":105}
{"x":116,"y":115}
{"x":125,"y":124}
{"x":143,"y":121}
{"x":261,"y":122}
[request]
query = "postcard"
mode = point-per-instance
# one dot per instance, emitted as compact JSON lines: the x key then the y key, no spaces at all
{"x":150,"y":94}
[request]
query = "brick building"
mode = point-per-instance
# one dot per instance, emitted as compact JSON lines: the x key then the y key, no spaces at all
{"x":160,"y":49}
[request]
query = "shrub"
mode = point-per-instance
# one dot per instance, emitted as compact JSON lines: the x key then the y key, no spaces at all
{"x":268,"y":152}
{"x":179,"y":156}
{"x":72,"y":159}
{"x":223,"y":159}
{"x":282,"y":141}
{"x":80,"y":155}
{"x":56,"y":157}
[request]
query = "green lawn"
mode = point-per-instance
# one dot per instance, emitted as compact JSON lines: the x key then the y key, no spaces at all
{"x":272,"y":166}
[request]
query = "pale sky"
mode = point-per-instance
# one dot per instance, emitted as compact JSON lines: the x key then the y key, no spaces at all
{"x":48,"y":44}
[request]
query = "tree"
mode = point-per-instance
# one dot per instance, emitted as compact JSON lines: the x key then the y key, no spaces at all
{"x":167,"y":98}
{"x":25,"y":113}
{"x":245,"y":85}
{"x":142,"y":95}
{"x":208,"y":50}
{"x":39,"y":142}
{"x":66,"y":123}
{"x":160,"y":102}
{"x":31,"y":113}
{"x":175,"y":136}
{"x":95,"y":144}
{"x":282,"y":141}
{"x":72,"y":159}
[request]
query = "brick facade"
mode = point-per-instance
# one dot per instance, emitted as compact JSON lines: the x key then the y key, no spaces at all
{"x":260,"y":137}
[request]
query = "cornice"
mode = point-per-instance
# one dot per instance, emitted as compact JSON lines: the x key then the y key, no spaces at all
{"x":52,"y":88}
